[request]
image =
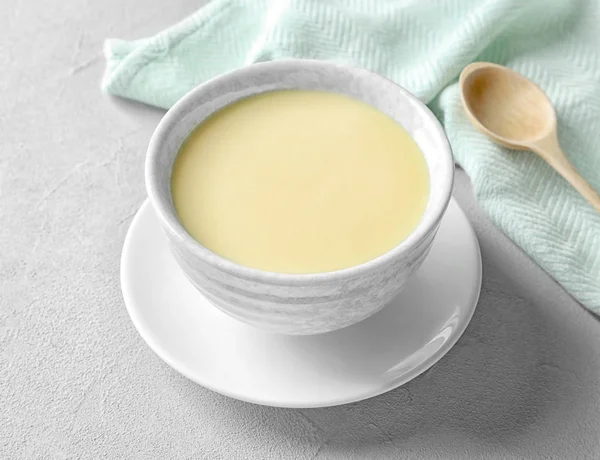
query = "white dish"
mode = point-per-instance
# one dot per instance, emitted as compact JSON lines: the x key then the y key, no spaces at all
{"x":369,"y":358}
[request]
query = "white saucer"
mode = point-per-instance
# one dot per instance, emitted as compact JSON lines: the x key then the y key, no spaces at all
{"x":366,"y":359}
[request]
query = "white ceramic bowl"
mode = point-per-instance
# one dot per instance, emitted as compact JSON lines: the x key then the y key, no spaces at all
{"x":299,"y":303}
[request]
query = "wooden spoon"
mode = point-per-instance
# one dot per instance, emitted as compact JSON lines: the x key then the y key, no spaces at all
{"x":514,"y":112}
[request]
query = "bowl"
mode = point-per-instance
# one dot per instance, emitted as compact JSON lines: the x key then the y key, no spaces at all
{"x":299,"y":304}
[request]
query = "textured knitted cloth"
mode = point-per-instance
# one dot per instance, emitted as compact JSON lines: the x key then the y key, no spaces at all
{"x":422,"y":45}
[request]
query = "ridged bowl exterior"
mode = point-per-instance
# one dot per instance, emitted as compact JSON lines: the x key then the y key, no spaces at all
{"x":312,"y":308}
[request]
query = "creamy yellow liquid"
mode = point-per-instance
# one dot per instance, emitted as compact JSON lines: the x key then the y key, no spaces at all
{"x":300,"y":182}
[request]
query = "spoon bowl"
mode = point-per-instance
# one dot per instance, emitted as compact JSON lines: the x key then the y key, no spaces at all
{"x":515,"y":113}
{"x":509,"y":107}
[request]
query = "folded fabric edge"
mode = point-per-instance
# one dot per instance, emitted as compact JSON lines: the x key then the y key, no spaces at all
{"x":125,"y":59}
{"x":115,"y":51}
{"x":498,"y":214}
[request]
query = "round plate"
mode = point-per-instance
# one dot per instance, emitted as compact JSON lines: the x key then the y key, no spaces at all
{"x":366,"y":359}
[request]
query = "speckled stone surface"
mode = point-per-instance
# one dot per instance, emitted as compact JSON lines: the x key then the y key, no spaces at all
{"x":76,"y":380}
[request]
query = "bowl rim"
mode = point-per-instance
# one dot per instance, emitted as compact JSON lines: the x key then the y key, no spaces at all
{"x":171,"y":223}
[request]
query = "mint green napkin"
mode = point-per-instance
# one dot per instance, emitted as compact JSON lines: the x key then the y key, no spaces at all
{"x":422,"y":45}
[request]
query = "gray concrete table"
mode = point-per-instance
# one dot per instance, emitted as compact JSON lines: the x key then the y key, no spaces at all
{"x":77,"y":381}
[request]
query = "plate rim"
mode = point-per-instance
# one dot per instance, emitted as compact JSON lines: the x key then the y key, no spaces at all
{"x":172,"y":362}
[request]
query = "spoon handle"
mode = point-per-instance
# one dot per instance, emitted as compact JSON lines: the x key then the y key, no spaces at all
{"x":549,"y":149}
